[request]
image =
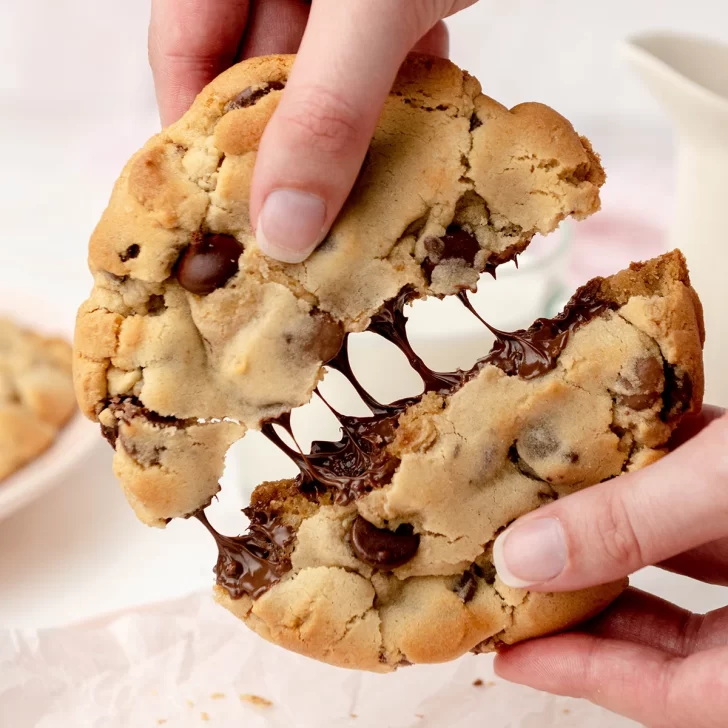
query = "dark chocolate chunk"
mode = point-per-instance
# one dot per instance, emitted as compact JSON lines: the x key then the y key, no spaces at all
{"x":131,"y":252}
{"x":678,"y":394}
{"x":381,"y":548}
{"x":208,"y":263}
{"x":475,"y":122}
{"x":455,"y":244}
{"x":248,"y":96}
{"x":646,"y":387}
{"x":466,"y":587}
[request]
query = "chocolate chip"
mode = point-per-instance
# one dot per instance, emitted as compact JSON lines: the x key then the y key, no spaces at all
{"x":208,"y":263}
{"x":475,"y":122}
{"x":538,"y":443}
{"x":131,"y":252}
{"x":247,"y":97}
{"x":460,"y":245}
{"x":643,"y":389}
{"x":638,"y":402}
{"x":381,"y":548}
{"x":466,"y":587}
{"x":678,"y":393}
{"x":329,"y":338}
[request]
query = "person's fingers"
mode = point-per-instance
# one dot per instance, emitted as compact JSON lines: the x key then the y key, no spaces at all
{"x":191,"y":42}
{"x":693,"y":424}
{"x":708,"y":563}
{"x":315,"y":142}
{"x":436,"y":42}
{"x":648,"y":620}
{"x":640,"y":682}
{"x":274,"y":26}
{"x":613,"y":529}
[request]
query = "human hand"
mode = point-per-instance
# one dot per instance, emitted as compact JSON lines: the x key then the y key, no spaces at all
{"x":644,"y":657}
{"x":315,"y":142}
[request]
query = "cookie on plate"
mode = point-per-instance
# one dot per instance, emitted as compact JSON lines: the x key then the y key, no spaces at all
{"x":191,"y":335}
{"x":36,"y":394}
{"x":380,"y":553}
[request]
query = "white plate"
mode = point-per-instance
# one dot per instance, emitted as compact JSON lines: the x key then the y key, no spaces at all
{"x":51,"y":312}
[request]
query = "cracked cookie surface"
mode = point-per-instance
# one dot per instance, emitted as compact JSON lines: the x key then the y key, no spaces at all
{"x":191,"y":335}
{"x":36,"y":394}
{"x":402,"y":572}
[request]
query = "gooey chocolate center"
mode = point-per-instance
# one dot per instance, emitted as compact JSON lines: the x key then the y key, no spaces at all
{"x":361,"y":461}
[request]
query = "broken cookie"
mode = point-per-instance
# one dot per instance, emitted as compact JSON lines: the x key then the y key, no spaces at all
{"x":189,"y":322}
{"x":379,"y":553}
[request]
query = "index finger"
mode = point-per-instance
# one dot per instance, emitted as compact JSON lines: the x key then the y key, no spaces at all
{"x":190,"y":43}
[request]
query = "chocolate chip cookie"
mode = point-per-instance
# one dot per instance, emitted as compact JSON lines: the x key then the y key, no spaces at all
{"x":36,"y":394}
{"x":380,"y":553}
{"x":191,"y":335}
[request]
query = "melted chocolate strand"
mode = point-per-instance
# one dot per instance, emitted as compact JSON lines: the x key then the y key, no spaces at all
{"x":533,"y":352}
{"x":253,"y":563}
{"x":391,"y":324}
{"x":360,"y":462}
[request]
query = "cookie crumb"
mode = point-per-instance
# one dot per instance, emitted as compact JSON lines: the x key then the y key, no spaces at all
{"x":190,"y":704}
{"x":566,"y":711}
{"x":353,"y":715}
{"x":217,"y":696}
{"x":491,"y":683}
{"x":204,"y":716}
{"x":419,"y":715}
{"x":477,"y":683}
{"x":153,"y":693}
{"x":161,"y":721}
{"x":256,"y":700}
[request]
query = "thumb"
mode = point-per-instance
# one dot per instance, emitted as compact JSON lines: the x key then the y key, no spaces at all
{"x":315,"y":142}
{"x":611,"y":530}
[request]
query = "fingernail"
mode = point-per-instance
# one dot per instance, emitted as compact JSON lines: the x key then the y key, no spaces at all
{"x":530,"y":553}
{"x":290,"y":225}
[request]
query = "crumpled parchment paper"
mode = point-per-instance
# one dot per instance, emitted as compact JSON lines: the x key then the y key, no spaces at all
{"x":188,"y":662}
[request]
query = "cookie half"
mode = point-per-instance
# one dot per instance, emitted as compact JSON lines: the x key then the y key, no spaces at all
{"x":191,"y":335}
{"x":380,"y":553}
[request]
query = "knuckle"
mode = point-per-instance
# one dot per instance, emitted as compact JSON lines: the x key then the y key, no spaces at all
{"x":617,"y":537}
{"x":322,"y":120}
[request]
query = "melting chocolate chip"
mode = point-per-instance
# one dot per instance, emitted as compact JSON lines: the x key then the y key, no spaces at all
{"x":383,"y":549}
{"x":466,"y":587}
{"x":329,"y":338}
{"x":638,"y":402}
{"x":208,"y":263}
{"x":645,"y":388}
{"x":251,"y":564}
{"x":250,"y":95}
{"x":475,"y":122}
{"x":131,"y":252}
{"x":523,"y":467}
{"x":538,"y":443}
{"x":456,"y":244}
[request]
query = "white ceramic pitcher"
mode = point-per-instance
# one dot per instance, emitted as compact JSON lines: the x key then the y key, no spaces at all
{"x":689,"y":76}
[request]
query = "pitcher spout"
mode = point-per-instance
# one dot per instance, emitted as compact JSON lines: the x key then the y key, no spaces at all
{"x":689,"y":76}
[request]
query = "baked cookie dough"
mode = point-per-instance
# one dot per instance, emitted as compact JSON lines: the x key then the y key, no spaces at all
{"x":36,"y":394}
